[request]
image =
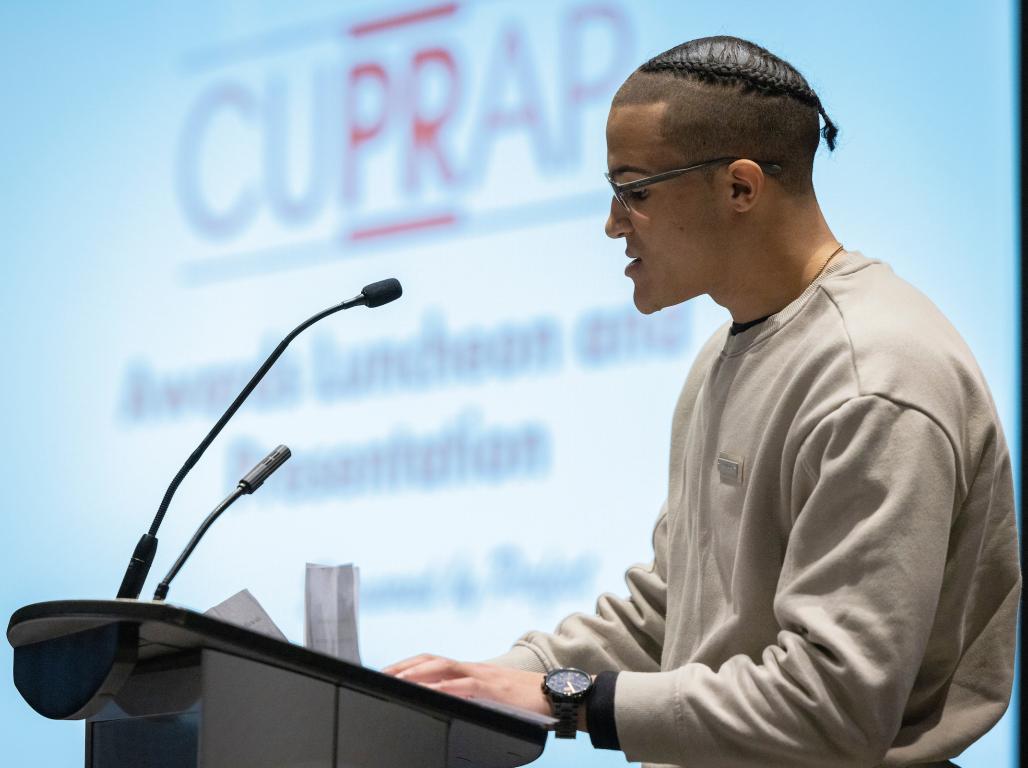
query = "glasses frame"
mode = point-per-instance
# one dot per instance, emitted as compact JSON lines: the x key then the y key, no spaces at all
{"x":771,"y":169}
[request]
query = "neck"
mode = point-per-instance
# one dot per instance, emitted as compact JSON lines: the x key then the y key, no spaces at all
{"x":771,"y":266}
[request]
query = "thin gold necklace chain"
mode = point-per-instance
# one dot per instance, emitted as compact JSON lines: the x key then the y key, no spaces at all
{"x":824,"y":266}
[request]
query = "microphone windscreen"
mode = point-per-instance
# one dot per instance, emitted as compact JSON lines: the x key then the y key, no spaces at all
{"x":382,"y":292}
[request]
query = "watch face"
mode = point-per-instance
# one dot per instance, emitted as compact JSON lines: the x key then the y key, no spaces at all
{"x":568,"y":682}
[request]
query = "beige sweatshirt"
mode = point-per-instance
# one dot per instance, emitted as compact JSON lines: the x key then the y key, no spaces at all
{"x":835,"y":578}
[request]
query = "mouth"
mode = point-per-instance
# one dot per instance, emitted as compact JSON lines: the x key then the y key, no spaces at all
{"x":633,"y":264}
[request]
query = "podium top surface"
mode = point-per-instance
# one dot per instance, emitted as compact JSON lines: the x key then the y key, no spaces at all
{"x":166,"y":630}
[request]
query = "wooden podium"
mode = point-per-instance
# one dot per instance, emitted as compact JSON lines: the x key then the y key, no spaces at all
{"x":164,"y":687}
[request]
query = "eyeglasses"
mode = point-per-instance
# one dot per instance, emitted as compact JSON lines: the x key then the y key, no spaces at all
{"x":771,"y":169}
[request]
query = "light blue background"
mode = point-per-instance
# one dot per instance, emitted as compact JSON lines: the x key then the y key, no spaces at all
{"x":104,"y":275}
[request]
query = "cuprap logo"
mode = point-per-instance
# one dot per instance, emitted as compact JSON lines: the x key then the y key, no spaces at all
{"x":346,"y":133}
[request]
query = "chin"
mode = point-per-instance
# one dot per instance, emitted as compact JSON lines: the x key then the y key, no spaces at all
{"x":647,"y":309}
{"x":645,"y":304}
{"x":648,"y":304}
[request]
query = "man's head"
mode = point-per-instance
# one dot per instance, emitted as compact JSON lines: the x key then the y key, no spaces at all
{"x":716,"y":97}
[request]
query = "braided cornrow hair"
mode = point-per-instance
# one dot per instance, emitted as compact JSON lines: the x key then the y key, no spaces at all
{"x":733,"y":61}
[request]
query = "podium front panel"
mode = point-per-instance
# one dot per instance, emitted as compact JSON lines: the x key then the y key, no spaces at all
{"x":259,"y":716}
{"x":375,"y":733}
{"x":161,"y":741}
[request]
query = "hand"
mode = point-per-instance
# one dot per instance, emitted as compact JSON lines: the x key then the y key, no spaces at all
{"x":479,"y":681}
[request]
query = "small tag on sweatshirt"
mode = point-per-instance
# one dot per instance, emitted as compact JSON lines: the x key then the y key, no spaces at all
{"x":729,"y":467}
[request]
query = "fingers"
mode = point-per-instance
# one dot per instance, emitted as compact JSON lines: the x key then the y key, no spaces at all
{"x":426,"y":668}
{"x":400,"y":666}
{"x":470,"y":680}
{"x":435,"y":669}
{"x":437,"y":673}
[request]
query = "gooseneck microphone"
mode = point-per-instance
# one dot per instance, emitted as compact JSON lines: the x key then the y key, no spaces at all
{"x":250,"y":483}
{"x":374,"y":295}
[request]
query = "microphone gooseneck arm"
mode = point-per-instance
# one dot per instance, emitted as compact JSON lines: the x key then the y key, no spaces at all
{"x":374,"y":295}
{"x":162,"y":588}
{"x":250,"y":483}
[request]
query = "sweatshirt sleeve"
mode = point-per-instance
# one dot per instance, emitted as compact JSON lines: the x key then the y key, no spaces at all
{"x":855,"y":604}
{"x":623,"y":633}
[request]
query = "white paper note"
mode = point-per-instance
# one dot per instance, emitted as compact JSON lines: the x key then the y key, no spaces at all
{"x":331,"y":611}
{"x":242,"y":609}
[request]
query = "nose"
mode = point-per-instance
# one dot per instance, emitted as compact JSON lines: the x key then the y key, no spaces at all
{"x":619,"y":223}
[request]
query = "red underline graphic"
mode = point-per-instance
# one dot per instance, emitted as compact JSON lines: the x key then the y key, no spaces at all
{"x":399,"y":227}
{"x":402,"y":19}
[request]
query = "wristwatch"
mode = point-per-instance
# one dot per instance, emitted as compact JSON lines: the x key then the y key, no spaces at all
{"x":567,"y":689}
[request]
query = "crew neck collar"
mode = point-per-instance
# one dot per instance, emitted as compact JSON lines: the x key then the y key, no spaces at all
{"x":845,"y":262}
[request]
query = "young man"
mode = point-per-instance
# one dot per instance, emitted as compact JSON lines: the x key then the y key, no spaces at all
{"x":835,"y":577}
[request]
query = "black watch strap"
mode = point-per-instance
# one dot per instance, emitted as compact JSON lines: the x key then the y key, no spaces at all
{"x":566,"y":713}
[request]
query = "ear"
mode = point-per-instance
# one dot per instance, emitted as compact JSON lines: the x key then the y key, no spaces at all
{"x":747,"y":181}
